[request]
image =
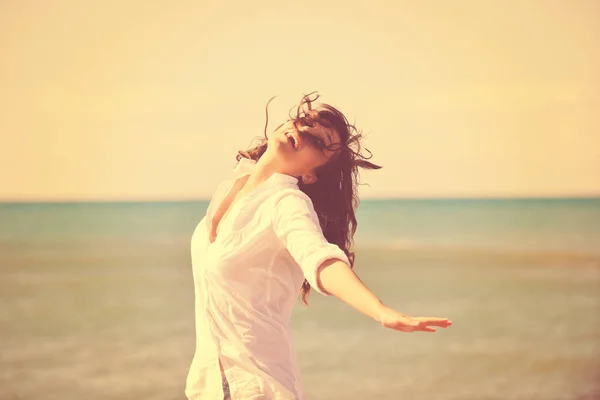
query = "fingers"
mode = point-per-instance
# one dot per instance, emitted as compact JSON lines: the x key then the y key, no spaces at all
{"x":413,"y":324}
{"x":441,"y":322}
{"x":426,"y":324}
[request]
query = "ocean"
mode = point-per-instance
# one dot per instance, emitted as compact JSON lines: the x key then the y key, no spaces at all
{"x":97,"y":302}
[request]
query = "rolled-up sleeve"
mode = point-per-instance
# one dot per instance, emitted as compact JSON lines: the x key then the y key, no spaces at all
{"x":296,"y":225}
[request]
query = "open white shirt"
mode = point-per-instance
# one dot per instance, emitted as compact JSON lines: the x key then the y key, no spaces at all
{"x":246,"y":284}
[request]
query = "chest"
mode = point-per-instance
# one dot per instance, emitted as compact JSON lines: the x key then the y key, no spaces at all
{"x":224,"y":205}
{"x":237,"y":231}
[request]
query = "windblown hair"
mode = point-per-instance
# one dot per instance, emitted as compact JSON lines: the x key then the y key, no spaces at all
{"x":335,"y":194}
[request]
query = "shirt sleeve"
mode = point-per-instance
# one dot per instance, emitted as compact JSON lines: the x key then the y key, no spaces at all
{"x":297,"y":226}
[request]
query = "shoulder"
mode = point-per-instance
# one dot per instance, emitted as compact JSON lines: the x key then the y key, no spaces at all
{"x":291,"y":205}
{"x":292,"y":198}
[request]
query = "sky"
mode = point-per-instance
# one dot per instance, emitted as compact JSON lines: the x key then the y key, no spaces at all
{"x":151,"y":100}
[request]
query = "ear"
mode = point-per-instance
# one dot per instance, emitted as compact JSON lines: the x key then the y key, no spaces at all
{"x":309,"y":179}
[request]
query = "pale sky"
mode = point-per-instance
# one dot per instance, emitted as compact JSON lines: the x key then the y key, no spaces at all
{"x":150,"y":100}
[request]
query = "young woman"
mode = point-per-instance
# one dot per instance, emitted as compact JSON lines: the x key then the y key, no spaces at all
{"x":281,"y":224}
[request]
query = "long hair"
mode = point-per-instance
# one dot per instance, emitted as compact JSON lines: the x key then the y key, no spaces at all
{"x":335,"y":193}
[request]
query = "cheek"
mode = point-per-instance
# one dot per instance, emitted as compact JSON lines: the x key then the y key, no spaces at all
{"x":314,"y":159}
{"x":300,"y":159}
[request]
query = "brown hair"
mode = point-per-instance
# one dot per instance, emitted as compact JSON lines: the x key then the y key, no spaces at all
{"x":335,"y":194}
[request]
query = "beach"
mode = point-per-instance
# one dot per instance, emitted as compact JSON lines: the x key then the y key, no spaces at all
{"x":97,"y":303}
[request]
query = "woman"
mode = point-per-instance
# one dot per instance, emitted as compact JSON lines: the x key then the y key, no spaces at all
{"x":282,"y":223}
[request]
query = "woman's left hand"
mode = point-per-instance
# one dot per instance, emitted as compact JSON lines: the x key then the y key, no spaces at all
{"x":393,"y":319}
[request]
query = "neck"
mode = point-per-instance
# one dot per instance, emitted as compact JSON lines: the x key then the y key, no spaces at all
{"x":264,"y":168}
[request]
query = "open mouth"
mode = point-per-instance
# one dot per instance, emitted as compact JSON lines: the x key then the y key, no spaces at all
{"x":292,"y":141}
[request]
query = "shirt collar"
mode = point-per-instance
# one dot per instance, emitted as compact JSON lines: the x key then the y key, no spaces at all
{"x":246,"y":165}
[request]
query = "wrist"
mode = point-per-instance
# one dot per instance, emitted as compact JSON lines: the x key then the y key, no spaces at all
{"x":380,"y":311}
{"x":384,"y":313}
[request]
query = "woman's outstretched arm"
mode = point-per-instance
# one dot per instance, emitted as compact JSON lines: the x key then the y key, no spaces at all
{"x":327,"y":268}
{"x":337,"y":278}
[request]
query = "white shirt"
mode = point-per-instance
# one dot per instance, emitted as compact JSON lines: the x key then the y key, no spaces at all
{"x":246,"y":284}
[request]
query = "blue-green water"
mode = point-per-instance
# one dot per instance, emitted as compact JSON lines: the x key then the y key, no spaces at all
{"x":533,"y":226}
{"x":97,"y":302}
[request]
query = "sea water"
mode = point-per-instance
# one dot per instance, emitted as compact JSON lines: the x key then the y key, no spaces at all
{"x":97,"y":302}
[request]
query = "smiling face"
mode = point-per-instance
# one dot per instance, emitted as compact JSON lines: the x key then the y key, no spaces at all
{"x":300,"y":150}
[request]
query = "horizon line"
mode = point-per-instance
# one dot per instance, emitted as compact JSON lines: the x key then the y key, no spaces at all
{"x":403,"y":198}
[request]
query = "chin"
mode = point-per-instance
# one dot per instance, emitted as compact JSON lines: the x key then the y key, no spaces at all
{"x":284,"y":145}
